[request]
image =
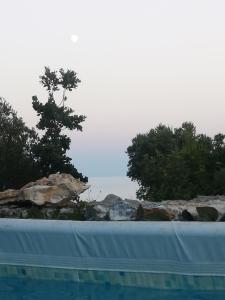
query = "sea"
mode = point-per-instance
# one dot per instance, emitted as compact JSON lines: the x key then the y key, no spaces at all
{"x":100,"y":187}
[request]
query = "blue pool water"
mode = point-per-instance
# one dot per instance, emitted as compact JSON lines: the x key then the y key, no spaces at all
{"x":22,"y":283}
{"x":28,"y":289}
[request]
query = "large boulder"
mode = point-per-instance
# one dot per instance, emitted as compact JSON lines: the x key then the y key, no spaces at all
{"x":53,"y":198}
{"x":67,"y":181}
{"x":44,"y":194}
{"x":207,"y":213}
{"x":187,"y":216}
{"x":115,"y":208}
{"x":57,"y":189}
{"x":154,"y":214}
{"x":8,"y":196}
{"x":110,"y":200}
{"x":41,"y":181}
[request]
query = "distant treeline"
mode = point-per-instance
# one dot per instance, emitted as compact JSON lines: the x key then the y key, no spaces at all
{"x":177,"y":163}
{"x":25,"y":155}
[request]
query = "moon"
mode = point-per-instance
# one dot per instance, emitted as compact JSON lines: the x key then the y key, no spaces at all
{"x":74,"y":38}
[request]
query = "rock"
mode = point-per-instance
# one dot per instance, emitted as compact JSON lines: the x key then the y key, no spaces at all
{"x":187,"y":216}
{"x":207,"y":213}
{"x":43,"y":194}
{"x":122,"y":212}
{"x":8,"y":196}
{"x":116,"y":209}
{"x":57,"y":189}
{"x":133,"y":203}
{"x":157,"y":214}
{"x":222,"y":218}
{"x":10,"y":212}
{"x":42,"y":181}
{"x":54,"y":198}
{"x":110,"y":200}
{"x":66,"y":180}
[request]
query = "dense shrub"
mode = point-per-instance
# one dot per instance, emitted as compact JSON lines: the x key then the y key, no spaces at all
{"x":177,"y":163}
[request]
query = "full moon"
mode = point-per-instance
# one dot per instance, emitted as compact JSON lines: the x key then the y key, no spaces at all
{"x":74,"y":38}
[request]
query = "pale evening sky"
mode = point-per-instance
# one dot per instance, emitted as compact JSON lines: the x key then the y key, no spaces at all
{"x":141,"y":62}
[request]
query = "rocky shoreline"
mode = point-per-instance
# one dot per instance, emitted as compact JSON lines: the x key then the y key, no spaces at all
{"x":57,"y":197}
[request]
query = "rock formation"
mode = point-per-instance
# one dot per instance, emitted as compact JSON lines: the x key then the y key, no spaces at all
{"x":202,"y":208}
{"x":56,"y":189}
{"x":57,"y":197}
{"x":43,"y":198}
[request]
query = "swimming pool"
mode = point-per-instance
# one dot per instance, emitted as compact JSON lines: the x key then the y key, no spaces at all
{"x":111,"y":260}
{"x":17,"y":283}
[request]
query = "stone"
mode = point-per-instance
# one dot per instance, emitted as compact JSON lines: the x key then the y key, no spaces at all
{"x":10,"y":212}
{"x":115,"y":208}
{"x":187,"y":216}
{"x":133,"y":203}
{"x":42,"y":181}
{"x":122,"y":212}
{"x":8,"y":196}
{"x":207,"y":213}
{"x":56,"y":197}
{"x":57,"y":189}
{"x":222,"y":218}
{"x":157,"y":214}
{"x":110,"y":200}
{"x":43,"y":194}
{"x":66,"y":180}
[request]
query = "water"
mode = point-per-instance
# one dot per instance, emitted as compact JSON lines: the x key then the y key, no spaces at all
{"x":33,"y":283}
{"x":102,"y":186}
{"x":33,"y":289}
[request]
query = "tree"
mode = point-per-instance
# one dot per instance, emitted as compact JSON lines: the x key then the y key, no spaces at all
{"x":16,"y":149}
{"x":147,"y":159}
{"x":50,"y":151}
{"x":177,"y":163}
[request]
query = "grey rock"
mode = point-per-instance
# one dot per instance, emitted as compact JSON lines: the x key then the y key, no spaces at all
{"x":56,"y":197}
{"x":222,"y":218}
{"x":115,"y":208}
{"x":207,"y":213}
{"x":110,"y":200}
{"x":187,"y":216}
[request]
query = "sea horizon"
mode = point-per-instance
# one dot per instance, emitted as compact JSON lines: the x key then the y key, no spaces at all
{"x":101,"y":186}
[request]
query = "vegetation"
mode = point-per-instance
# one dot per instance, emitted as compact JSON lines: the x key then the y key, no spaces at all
{"x":177,"y":163}
{"x":50,"y":151}
{"x":16,"y":149}
{"x":24,"y":155}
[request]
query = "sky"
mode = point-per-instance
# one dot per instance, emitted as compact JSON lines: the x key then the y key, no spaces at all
{"x":141,"y":63}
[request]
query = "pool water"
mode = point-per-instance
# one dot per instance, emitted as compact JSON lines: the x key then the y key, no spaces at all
{"x":32,"y":283}
{"x":33,"y":289}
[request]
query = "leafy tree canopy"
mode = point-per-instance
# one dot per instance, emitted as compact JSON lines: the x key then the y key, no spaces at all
{"x":177,"y":163}
{"x":51,"y":149}
{"x":16,"y":144}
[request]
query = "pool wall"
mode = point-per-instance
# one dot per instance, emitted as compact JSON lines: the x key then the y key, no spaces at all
{"x":183,"y":248}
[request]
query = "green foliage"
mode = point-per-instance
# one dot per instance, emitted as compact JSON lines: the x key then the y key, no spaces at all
{"x":16,"y":149}
{"x":177,"y":164}
{"x":51,"y":149}
{"x":24,"y":156}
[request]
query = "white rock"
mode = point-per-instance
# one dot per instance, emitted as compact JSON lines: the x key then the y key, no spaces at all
{"x":56,"y":189}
